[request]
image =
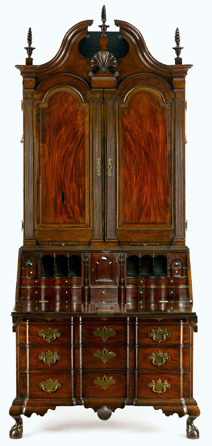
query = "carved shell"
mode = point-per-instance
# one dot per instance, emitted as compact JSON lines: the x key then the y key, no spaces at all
{"x":103,"y":60}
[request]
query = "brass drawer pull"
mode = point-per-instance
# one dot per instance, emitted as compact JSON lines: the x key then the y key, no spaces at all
{"x":98,"y":167}
{"x":104,"y":382}
{"x":159,"y":335}
{"x":109,"y":167}
{"x":49,"y":335}
{"x":159,"y":358}
{"x":49,"y":358}
{"x":104,"y":333}
{"x":158,"y":386}
{"x":104,"y":355}
{"x":50,"y":385}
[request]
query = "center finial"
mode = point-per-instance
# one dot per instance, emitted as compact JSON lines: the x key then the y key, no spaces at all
{"x":103,"y":26}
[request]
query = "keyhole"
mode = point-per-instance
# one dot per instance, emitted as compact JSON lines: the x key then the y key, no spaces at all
{"x":63,"y":198}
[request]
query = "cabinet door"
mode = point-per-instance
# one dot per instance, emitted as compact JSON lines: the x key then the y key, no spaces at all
{"x":144,"y":167}
{"x":104,"y":269}
{"x":63,"y":168}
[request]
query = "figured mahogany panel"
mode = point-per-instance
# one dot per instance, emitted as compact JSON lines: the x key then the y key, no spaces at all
{"x":104,"y":269}
{"x":62,"y":188}
{"x":146,"y":179}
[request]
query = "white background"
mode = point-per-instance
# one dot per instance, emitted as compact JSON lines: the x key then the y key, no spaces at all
{"x":157,"y":21}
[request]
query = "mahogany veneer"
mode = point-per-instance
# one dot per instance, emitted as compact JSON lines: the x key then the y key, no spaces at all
{"x":103,"y":312}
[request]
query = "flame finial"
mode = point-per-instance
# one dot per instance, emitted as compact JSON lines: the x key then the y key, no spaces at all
{"x":29,"y":48}
{"x":177,"y":48}
{"x":103,"y":26}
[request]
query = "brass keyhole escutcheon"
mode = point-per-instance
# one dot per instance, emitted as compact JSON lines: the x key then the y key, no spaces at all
{"x":104,"y":382}
{"x":104,"y":355}
{"x":104,"y":333}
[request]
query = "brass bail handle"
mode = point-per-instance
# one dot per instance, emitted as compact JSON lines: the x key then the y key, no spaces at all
{"x":109,"y":167}
{"x":98,"y":167}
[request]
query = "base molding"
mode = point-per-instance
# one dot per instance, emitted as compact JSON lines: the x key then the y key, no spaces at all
{"x":104,"y":409}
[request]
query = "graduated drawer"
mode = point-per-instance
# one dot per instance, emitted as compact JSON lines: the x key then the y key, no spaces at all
{"x":162,"y":334}
{"x":60,"y":390}
{"x":148,"y":385}
{"x":102,"y":357}
{"x":103,"y":333}
{"x":163,"y":358}
{"x":102,"y":383}
{"x":51,"y":358}
{"x":53,"y":333}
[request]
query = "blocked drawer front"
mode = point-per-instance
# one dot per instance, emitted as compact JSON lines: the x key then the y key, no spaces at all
{"x":51,"y":385}
{"x":163,"y":385}
{"x":106,"y":334}
{"x":159,"y":358}
{"x":163,"y":334}
{"x":103,"y":357}
{"x":45,"y":358}
{"x":47,"y":334}
{"x":103,"y":383}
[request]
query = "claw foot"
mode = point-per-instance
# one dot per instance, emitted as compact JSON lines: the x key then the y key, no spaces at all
{"x":16,"y":431}
{"x":192,"y":431}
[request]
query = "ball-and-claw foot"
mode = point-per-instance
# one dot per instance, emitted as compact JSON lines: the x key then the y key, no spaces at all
{"x":16,"y":431}
{"x":192,"y":431}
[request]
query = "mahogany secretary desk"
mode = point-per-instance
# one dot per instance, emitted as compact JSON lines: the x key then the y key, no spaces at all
{"x":103,"y":313}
